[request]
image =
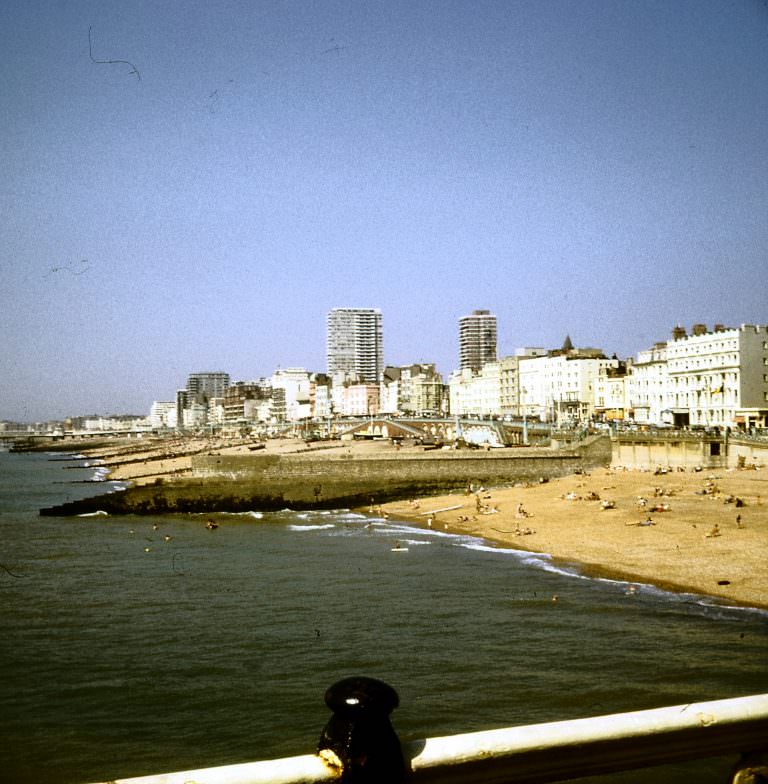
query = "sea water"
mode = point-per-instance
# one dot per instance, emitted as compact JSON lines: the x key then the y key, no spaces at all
{"x":135,"y":645}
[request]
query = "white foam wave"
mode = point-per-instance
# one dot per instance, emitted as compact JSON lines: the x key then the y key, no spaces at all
{"x":310,"y":527}
{"x":98,"y":513}
{"x":427,"y":532}
{"x":117,"y":486}
{"x":544,"y":562}
{"x":486,"y":548}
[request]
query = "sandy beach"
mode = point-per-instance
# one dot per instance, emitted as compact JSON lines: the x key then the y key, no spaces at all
{"x":704,"y":532}
{"x":699,"y":531}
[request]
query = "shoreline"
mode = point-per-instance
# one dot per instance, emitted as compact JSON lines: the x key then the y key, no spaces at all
{"x":696,"y":531}
{"x":676,"y":552}
{"x":594,"y":571}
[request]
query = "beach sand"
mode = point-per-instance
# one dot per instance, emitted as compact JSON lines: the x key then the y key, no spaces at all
{"x":681,"y":550}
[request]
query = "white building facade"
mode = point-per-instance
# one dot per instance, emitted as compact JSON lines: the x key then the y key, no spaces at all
{"x":647,"y":387}
{"x":719,"y":378}
{"x":162,"y":415}
{"x":476,"y":394}
{"x":561,"y":387}
{"x":295,"y":383}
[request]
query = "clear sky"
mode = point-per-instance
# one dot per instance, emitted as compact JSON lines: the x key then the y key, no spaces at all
{"x":597,"y":168}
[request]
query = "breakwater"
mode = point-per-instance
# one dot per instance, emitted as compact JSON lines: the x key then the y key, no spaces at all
{"x":272,"y":482}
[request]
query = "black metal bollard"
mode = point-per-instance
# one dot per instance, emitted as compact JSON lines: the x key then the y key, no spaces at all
{"x":360,"y":734}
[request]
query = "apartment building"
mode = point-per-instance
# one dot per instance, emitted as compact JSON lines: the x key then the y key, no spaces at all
{"x":611,"y":392}
{"x":295,"y":383}
{"x":476,"y":393}
{"x":718,"y":378}
{"x":646,"y":387}
{"x":162,"y":414}
{"x":354,"y":344}
{"x":561,"y":387}
{"x":477,"y":340}
{"x":356,"y":399}
{"x":320,"y":402}
{"x":411,"y":389}
{"x":254,"y":402}
{"x":510,"y":379}
{"x":208,"y":384}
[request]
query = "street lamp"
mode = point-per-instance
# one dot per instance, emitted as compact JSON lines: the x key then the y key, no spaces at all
{"x":524,"y":391}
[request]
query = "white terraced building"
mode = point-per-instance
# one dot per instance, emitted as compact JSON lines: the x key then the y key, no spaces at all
{"x":562,"y":387}
{"x":719,"y":378}
{"x":647,"y":386}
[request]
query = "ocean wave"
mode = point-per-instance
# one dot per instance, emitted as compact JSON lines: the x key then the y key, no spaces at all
{"x":545,"y":562}
{"x":706,"y":604}
{"x":311,"y":527}
{"x":98,"y":513}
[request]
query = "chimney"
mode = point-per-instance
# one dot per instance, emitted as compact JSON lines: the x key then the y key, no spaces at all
{"x":699,"y":329}
{"x":720,"y":328}
{"x":678,"y":333}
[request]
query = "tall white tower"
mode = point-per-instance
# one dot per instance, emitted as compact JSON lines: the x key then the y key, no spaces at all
{"x":477,"y":339}
{"x":355,"y":343}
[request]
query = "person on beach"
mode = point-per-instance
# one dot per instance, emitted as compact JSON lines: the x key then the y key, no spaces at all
{"x":643,"y":524}
{"x":714,"y":532}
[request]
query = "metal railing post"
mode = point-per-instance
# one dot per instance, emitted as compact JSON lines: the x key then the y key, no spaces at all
{"x":359,"y":737}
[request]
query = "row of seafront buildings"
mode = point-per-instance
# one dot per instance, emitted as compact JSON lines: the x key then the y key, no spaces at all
{"x":293,"y":395}
{"x":706,"y":378}
{"x":709,"y":378}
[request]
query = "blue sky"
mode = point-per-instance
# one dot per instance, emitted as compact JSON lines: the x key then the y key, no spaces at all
{"x":591,"y":168}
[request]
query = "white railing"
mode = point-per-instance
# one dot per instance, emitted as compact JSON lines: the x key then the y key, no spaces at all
{"x":539,"y":752}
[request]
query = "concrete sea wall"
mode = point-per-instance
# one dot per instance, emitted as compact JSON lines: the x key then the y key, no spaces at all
{"x":269,"y":482}
{"x":684,"y":449}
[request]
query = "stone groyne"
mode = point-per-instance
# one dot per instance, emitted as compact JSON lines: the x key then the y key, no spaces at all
{"x":236,"y":483}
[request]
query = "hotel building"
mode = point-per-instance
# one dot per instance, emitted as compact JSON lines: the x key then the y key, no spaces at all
{"x":718,"y":378}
